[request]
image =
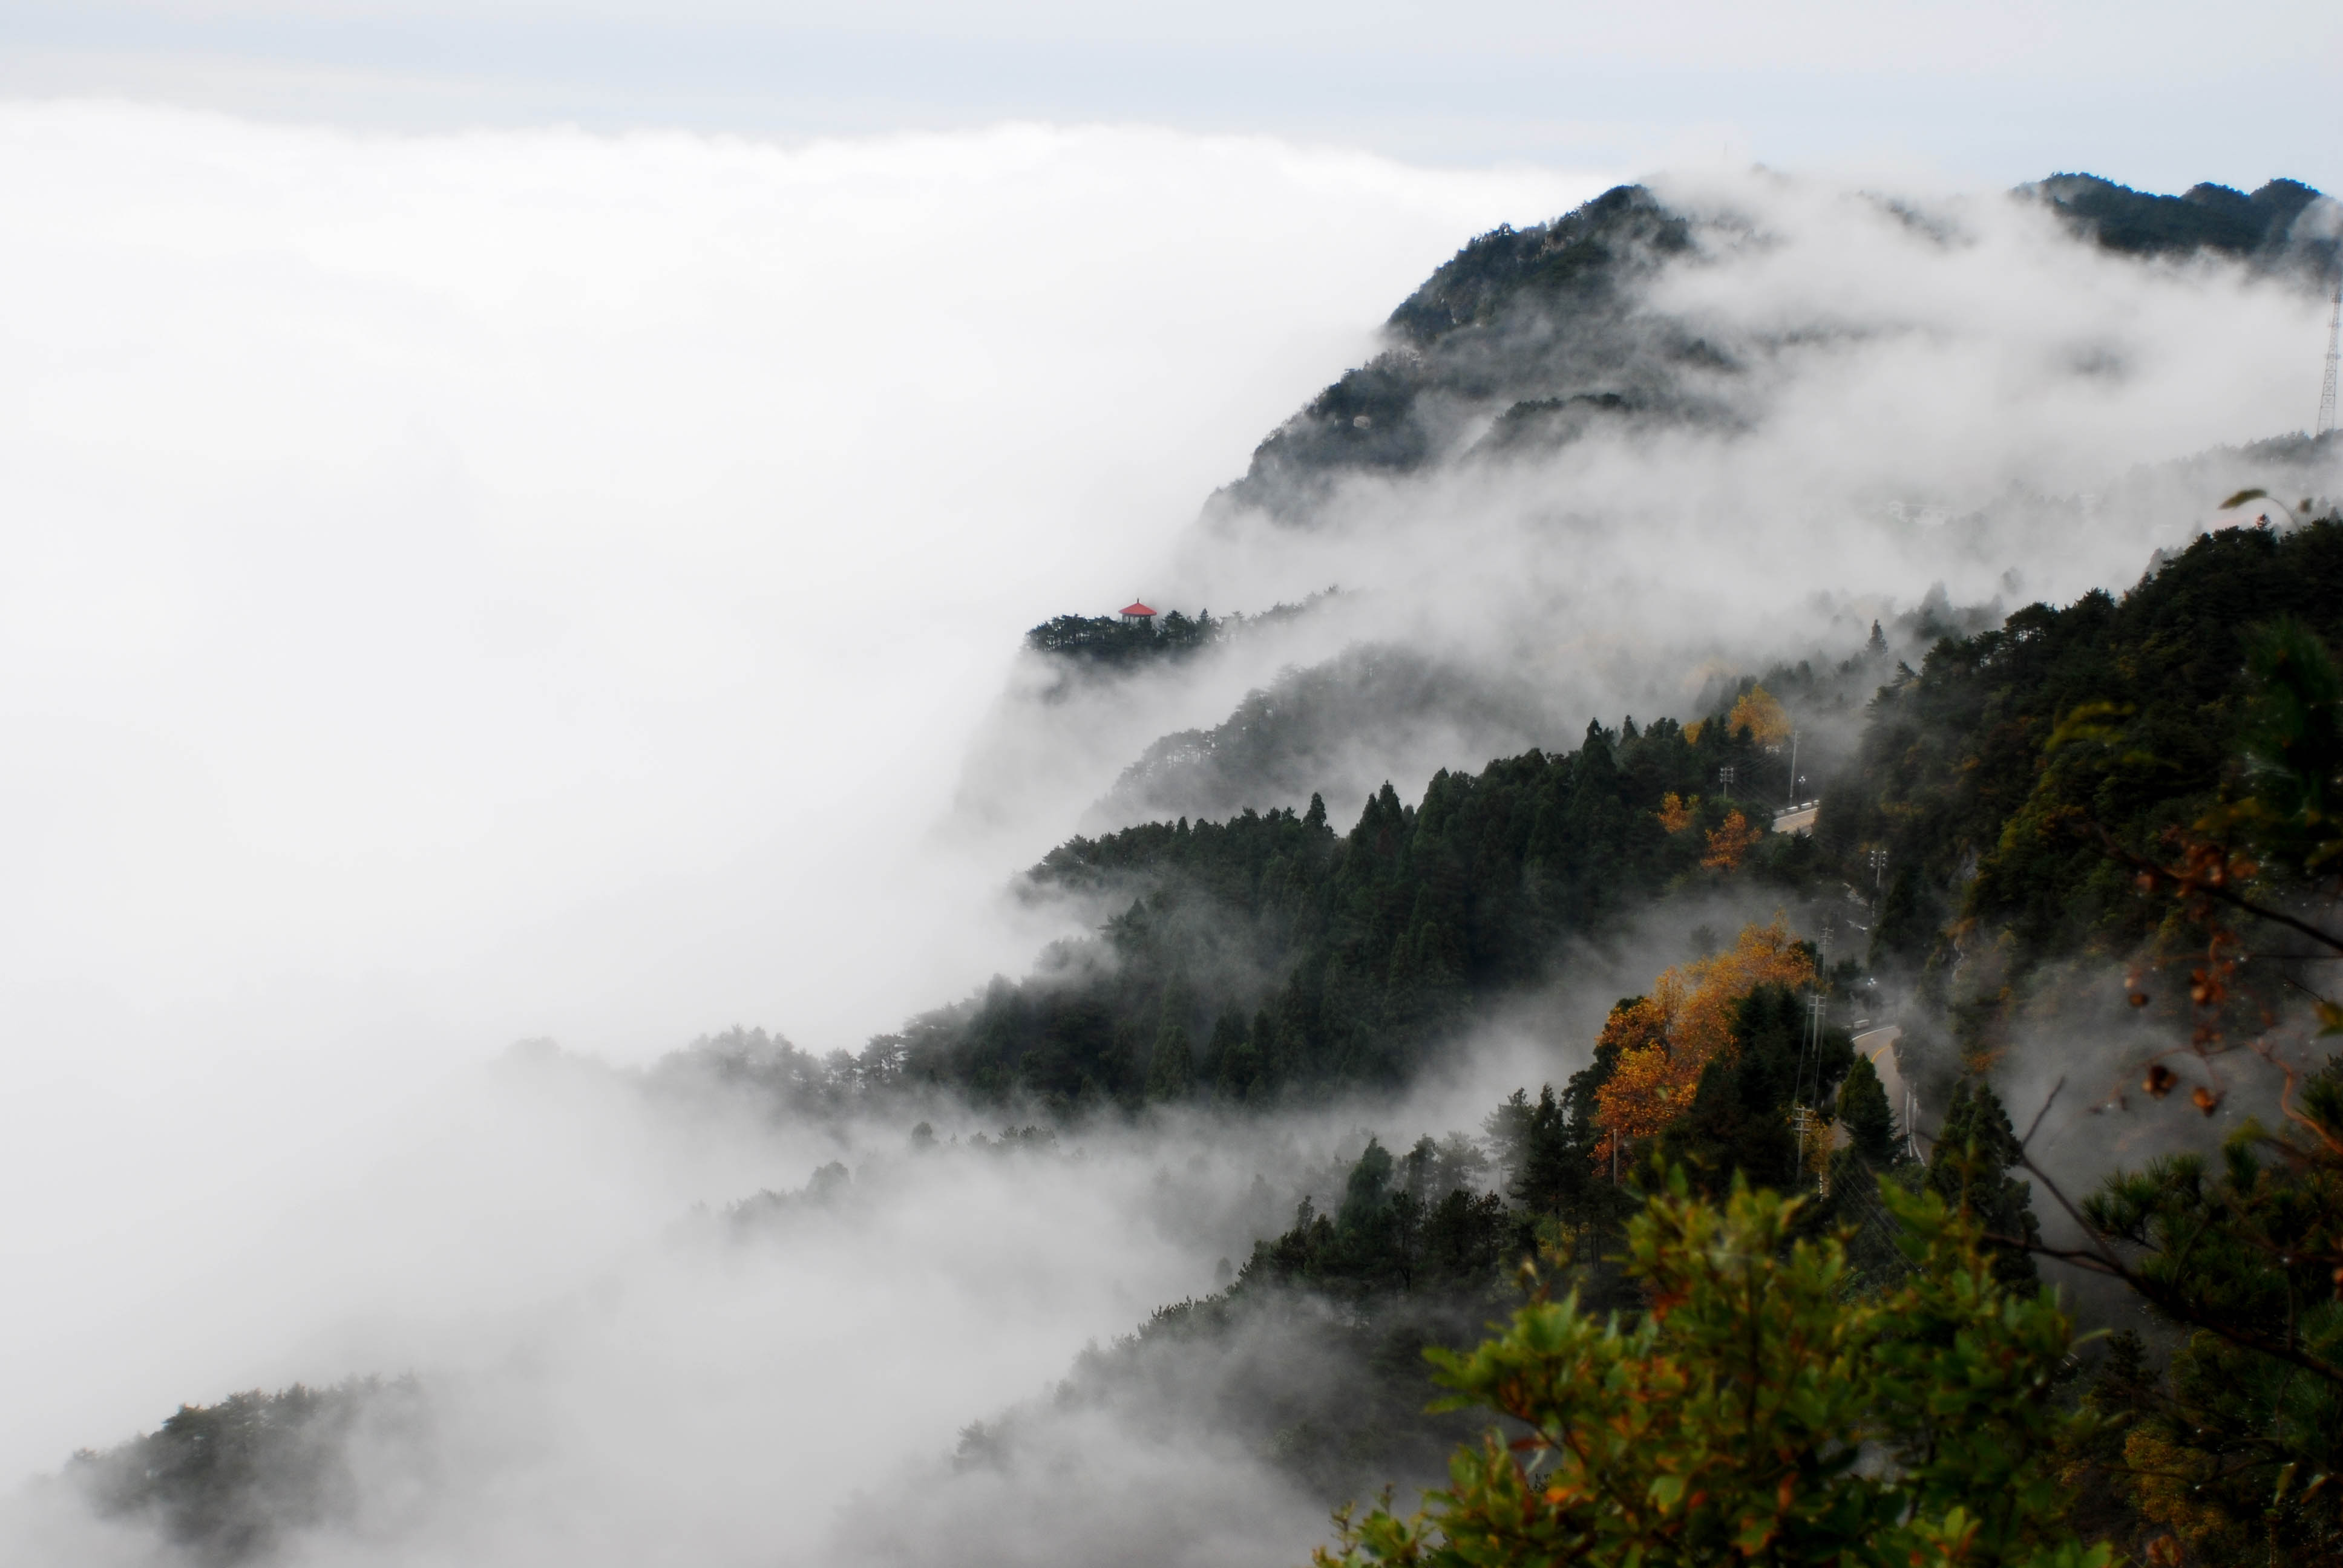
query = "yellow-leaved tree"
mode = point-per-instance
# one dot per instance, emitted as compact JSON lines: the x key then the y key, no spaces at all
{"x":1760,"y":714}
{"x":1730,"y":841}
{"x":1676,"y":813}
{"x":1665,"y":1041}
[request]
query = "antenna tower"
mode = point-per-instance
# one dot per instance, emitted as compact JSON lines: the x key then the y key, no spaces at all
{"x":2334,"y":339}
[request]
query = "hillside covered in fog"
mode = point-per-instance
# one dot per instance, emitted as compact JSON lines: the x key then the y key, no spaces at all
{"x":1746,"y":683}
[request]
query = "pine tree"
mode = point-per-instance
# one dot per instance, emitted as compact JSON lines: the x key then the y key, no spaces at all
{"x":1172,"y":1070}
{"x":1365,"y":1227}
{"x":1870,"y":1121}
{"x":1262,"y":1050}
{"x":1554,"y":1167}
{"x":1740,"y":1116}
{"x":1228,"y":1036}
{"x":1231,"y":1062}
{"x":1761,"y":1415}
{"x":1507,"y":1129}
{"x":1969,"y":1167}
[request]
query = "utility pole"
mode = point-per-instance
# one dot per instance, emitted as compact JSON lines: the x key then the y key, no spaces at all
{"x":2334,"y":343}
{"x":1810,"y":1040}
{"x":1814,"y":1033}
{"x":1794,"y":770}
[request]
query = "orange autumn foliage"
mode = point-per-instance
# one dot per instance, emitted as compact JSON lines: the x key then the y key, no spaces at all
{"x":1676,"y":812}
{"x":1665,"y":1041}
{"x":1728,"y":843}
{"x":1760,"y":714}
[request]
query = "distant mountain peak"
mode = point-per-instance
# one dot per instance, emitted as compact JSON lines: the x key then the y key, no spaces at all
{"x":2215,"y":218}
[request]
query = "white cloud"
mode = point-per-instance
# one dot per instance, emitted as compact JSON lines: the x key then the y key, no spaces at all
{"x":473,"y":586}
{"x":1972,"y":400}
{"x":494,"y":583}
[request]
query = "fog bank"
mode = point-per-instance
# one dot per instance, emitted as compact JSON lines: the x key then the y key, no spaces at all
{"x":1827,"y":406}
{"x":531,"y":585}
{"x":478,"y":587}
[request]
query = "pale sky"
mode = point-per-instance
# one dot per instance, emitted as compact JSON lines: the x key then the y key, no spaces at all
{"x":2157,"y":95}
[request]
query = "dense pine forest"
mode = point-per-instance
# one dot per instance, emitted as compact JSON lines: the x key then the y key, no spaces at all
{"x":1271,"y":955}
{"x":1960,"y":782}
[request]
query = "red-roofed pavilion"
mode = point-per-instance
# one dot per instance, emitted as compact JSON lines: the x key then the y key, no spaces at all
{"x":1137,"y":614}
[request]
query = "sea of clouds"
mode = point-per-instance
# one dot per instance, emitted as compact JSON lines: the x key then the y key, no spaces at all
{"x":480,"y":586}
{"x":487,"y":586}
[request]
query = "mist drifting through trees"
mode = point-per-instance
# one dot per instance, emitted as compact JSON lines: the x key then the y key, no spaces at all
{"x":1001,"y":1096}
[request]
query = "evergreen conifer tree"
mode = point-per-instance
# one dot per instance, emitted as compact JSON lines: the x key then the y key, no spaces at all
{"x":1364,"y":1224}
{"x":1172,"y":1070}
{"x":1870,"y":1121}
{"x":1554,"y":1167}
{"x":1228,"y":1040}
{"x":1232,"y":1062}
{"x":1969,"y":1167}
{"x":1507,"y":1129}
{"x":1739,"y":1122}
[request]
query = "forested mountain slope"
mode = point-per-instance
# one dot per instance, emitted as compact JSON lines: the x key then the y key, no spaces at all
{"x":1983,"y":829}
{"x":1542,"y":323}
{"x":1254,"y":956}
{"x":2158,"y":717}
{"x":1527,"y":338}
{"x":1270,"y":956}
{"x":1269,"y":953}
{"x":2260,"y":226}
{"x":1574,"y":430}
